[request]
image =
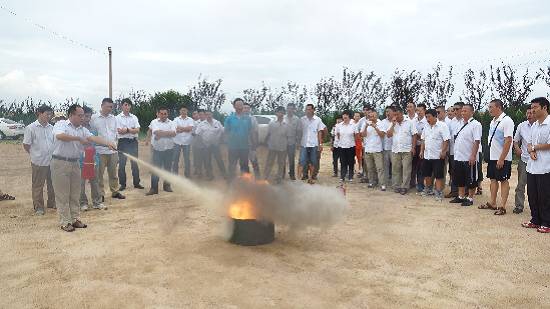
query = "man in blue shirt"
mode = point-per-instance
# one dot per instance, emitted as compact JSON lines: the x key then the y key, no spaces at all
{"x":238,"y":128}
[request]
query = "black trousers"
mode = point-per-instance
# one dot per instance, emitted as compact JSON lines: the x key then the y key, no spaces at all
{"x":335,"y":158}
{"x":539,"y":198}
{"x":130,"y":146}
{"x":347,"y":160}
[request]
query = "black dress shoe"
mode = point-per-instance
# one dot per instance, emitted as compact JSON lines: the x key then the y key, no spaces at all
{"x":517,"y":210}
{"x":103,"y":199}
{"x":122,"y":188}
{"x":79,"y":225}
{"x":138,"y":186}
{"x":151,"y":192}
{"x":118,"y":196}
{"x":457,"y":200}
{"x":167,"y":189}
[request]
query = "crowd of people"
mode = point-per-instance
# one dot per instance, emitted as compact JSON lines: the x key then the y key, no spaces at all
{"x":412,"y":149}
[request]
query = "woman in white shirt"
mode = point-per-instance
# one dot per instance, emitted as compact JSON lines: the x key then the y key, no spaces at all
{"x":345,"y":132}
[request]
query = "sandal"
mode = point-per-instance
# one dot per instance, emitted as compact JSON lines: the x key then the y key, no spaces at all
{"x":500,"y":211}
{"x":6,"y":197}
{"x":479,"y":191}
{"x":487,"y":206}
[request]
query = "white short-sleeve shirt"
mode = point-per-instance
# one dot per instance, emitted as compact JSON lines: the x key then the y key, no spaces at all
{"x":465,"y":140}
{"x":454,"y":126}
{"x":164,"y":143}
{"x":372,"y":142}
{"x":130,"y":122}
{"x":523,"y":132}
{"x":402,"y":136}
{"x":347,"y":134}
{"x":420,"y":125}
{"x":184,"y":138}
{"x":41,"y":140}
{"x":73,"y":149}
{"x":433,"y":137}
{"x":540,"y":134}
{"x":106,"y":129}
{"x":310,"y":131}
{"x":504,"y":129}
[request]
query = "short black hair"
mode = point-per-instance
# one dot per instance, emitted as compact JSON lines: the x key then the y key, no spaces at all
{"x":44,"y":108}
{"x":183,"y":106}
{"x":431,"y":111}
{"x":237,"y":100}
{"x":162,"y":108}
{"x":422,"y":105}
{"x":106,"y":100}
{"x":348,"y":112}
{"x":396,"y":109}
{"x":87,"y":110}
{"x":291,"y":105}
{"x":127,"y":101}
{"x":459,"y":104}
{"x":280,"y":109}
{"x":498,"y":103}
{"x":200,"y":110}
{"x":440,"y":106}
{"x":311,"y":105}
{"x":471,"y":106}
{"x":72,"y":109}
{"x":246,"y":104}
{"x":542,"y":101}
{"x":367,"y":106}
{"x":411,"y":102}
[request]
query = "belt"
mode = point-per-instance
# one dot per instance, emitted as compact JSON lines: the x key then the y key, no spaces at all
{"x":64,"y":158}
{"x":128,"y":138}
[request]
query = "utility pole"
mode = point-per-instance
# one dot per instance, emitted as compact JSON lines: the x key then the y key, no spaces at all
{"x":110,"y":72}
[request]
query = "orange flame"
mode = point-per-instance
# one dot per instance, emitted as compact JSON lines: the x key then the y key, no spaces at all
{"x":242,"y":210}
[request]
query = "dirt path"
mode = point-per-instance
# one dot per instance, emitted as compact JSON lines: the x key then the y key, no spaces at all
{"x":165,"y":251}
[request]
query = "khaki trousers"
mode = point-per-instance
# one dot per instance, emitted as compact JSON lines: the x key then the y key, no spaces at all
{"x":522,"y":182}
{"x":41,"y":174}
{"x":401,"y":169}
{"x":375,"y":167}
{"x":66,"y":185}
{"x":281,"y":162}
{"x":109,"y":162}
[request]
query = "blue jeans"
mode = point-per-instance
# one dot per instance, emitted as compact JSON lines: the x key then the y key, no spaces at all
{"x":308,"y":155}
{"x":162,"y":159}
{"x":130,"y":146}
{"x":186,"y":159}
{"x":291,"y":153}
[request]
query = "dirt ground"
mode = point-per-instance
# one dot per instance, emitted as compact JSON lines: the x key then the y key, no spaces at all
{"x":166,"y":252}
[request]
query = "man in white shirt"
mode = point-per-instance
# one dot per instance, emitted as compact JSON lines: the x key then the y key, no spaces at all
{"x":523,"y":132}
{"x":467,"y":142}
{"x":538,"y":167}
{"x":128,"y":130}
{"x":210,"y":132}
{"x":70,"y":136}
{"x":346,"y":132}
{"x":105,"y":124}
{"x":163,"y":131}
{"x":433,"y":151}
{"x":312,"y":141}
{"x":38,"y":142}
{"x":384,"y":125}
{"x":294,"y":136}
{"x":373,"y":139}
{"x":417,"y":179}
{"x":455,"y":125}
{"x":335,"y":143}
{"x":276,"y":140}
{"x":184,"y":127}
{"x":499,"y":168}
{"x":198,"y":147}
{"x":442,"y":116}
{"x":403,"y":131}
{"x":411,"y":111}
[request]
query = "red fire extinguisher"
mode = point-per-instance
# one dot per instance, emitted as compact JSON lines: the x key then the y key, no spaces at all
{"x":88,"y":164}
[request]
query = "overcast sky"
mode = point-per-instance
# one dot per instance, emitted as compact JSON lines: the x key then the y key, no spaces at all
{"x":164,"y":44}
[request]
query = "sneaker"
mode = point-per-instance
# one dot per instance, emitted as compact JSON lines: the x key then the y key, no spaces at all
{"x":517,"y":210}
{"x":423,"y":193}
{"x":403,"y":191}
{"x":467,"y":202}
{"x":370,"y":185}
{"x":456,"y":200}
{"x":438,"y":197}
{"x":398,"y":190}
{"x":383,"y":188}
{"x":363,"y":180}
{"x":84,"y":207}
{"x":543,"y":229}
{"x":349,"y":180}
{"x":138,"y":186}
{"x":39,"y":212}
{"x":100,"y":206}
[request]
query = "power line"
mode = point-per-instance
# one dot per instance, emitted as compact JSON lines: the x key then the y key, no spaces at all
{"x":52,"y":32}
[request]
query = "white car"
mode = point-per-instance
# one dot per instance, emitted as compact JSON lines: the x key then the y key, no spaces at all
{"x":11,"y":129}
{"x":263,"y":121}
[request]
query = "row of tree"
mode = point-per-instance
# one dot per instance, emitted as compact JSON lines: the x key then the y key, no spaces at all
{"x":349,"y":91}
